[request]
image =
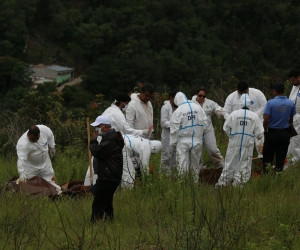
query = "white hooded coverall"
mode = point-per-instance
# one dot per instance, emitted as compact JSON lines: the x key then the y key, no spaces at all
{"x":209,"y":140}
{"x":141,"y":149}
{"x":258,"y":104}
{"x":294,"y":147}
{"x":136,"y":116}
{"x":168,"y":156}
{"x":187,"y":127}
{"x":33,"y":157}
{"x":119,"y":123}
{"x":242,"y":126}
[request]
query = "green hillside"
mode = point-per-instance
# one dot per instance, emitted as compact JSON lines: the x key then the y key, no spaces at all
{"x":170,"y":43}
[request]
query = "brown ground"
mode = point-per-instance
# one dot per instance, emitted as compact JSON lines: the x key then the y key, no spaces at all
{"x":39,"y":187}
{"x":210,"y":176}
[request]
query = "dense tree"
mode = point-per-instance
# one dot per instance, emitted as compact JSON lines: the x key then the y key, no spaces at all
{"x":13,"y":73}
{"x":168,"y":43}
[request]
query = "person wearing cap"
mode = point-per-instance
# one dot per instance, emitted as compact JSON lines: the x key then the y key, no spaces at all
{"x":119,"y":123}
{"x":139,"y":113}
{"x":109,"y":168}
{"x":294,"y":147}
{"x":258,"y":104}
{"x":279,"y":114}
{"x":242,"y":127}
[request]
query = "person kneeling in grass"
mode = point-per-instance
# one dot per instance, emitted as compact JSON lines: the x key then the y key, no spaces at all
{"x":109,"y":167}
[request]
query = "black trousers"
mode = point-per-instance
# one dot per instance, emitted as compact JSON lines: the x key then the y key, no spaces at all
{"x":103,"y":200}
{"x":277,"y":141}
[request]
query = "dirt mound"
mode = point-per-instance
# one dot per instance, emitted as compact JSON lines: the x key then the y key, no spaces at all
{"x":75,"y":188}
{"x":210,"y":176}
{"x":37,"y":186}
{"x":70,"y":184}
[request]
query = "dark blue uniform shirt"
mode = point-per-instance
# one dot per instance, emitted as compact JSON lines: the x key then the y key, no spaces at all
{"x":280,"y":109}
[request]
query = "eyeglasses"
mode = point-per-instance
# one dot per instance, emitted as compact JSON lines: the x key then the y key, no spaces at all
{"x":202,"y":96}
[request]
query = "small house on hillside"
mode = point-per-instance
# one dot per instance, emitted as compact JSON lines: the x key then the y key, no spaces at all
{"x":38,"y":80}
{"x":57,"y":73}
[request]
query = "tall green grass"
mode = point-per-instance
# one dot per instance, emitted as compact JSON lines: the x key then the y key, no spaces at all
{"x":160,"y":214}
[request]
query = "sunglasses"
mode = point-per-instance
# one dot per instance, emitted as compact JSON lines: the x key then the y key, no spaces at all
{"x":202,"y":96}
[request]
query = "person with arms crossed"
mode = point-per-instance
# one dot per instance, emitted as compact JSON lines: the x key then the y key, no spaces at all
{"x":279,"y":114}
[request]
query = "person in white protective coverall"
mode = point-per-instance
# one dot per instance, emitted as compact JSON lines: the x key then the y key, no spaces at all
{"x":209,"y":140}
{"x":141,"y":149}
{"x":139,"y":113}
{"x":187,"y":127}
{"x":118,"y":122}
{"x":294,"y":147}
{"x":33,"y":156}
{"x":258,"y":104}
{"x":242,"y":126}
{"x":168,"y":156}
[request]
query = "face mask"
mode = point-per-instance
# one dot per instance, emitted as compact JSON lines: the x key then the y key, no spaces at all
{"x":126,"y":106}
{"x":100,"y":133}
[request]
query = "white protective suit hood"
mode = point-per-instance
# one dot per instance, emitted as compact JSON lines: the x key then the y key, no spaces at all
{"x":245,"y":101}
{"x":180,"y":98}
{"x":155,"y":147}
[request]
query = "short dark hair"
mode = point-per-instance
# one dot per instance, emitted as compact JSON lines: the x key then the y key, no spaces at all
{"x":242,"y":86}
{"x":122,"y":97}
{"x":34,"y":130}
{"x":173,"y":93}
{"x":280,"y":91}
{"x":148,"y":88}
{"x":294,"y":73}
{"x":202,"y":88}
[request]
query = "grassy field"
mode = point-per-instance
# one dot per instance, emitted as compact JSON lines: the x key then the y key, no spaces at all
{"x":159,"y":214}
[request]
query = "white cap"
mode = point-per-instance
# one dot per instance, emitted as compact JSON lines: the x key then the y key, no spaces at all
{"x":102,"y":119}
